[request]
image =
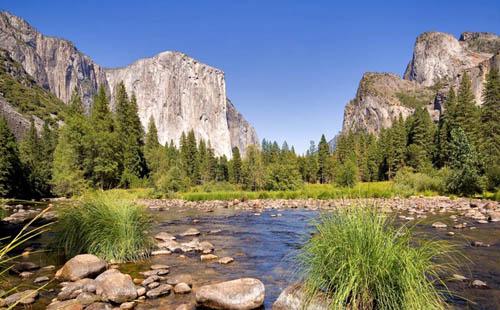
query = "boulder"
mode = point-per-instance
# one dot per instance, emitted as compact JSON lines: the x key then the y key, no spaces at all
{"x":73,"y":289}
{"x":81,"y":266}
{"x":239,"y":294}
{"x":293,"y":297}
{"x":112,"y":285}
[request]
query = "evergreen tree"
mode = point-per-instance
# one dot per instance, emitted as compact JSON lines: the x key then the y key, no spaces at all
{"x":68,"y":169}
{"x":222,"y":171}
{"x":151,"y":147}
{"x":420,"y":139}
{"x":253,"y":169}
{"x":489,"y":140}
{"x":105,"y":156}
{"x":236,"y":167}
{"x":464,"y":179}
{"x":323,"y":160}
{"x":11,"y":176}
{"x":190,"y":158}
{"x":447,"y":121}
{"x":311,"y":164}
{"x":467,"y":114}
{"x":282,"y":176}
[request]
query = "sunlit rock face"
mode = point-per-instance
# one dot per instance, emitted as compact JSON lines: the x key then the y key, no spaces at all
{"x":180,"y":93}
{"x":438,"y":63}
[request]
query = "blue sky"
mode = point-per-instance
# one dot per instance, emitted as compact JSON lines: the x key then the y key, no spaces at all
{"x":291,"y":66}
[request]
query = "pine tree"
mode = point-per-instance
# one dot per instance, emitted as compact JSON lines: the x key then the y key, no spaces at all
{"x":447,"y":121}
{"x":222,"y":170}
{"x":323,"y":160}
{"x":489,"y":140}
{"x":253,"y":169}
{"x":190,"y":158}
{"x":236,"y":167}
{"x":105,"y":156}
{"x":11,"y":176}
{"x":467,"y":114}
{"x":420,"y":139}
{"x":69,"y":165}
{"x":130,"y":133}
{"x":464,"y":179}
{"x":151,"y":147}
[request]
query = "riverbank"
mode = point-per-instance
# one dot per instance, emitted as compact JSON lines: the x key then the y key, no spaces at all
{"x":246,"y":231}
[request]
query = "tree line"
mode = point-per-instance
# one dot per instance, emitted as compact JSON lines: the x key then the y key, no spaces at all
{"x":108,"y":149}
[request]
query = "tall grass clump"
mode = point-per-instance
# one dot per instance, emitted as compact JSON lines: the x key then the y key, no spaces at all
{"x":432,"y":180}
{"x":362,"y":261}
{"x":106,"y":226}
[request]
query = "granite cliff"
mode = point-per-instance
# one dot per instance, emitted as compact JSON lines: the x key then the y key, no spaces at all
{"x":439,"y":60}
{"x":179,"y":92}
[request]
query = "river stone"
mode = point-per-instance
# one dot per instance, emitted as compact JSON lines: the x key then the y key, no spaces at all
{"x":171,"y":245}
{"x":292,"y":298}
{"x":226,"y":260}
{"x":186,"y":307}
{"x":458,"y":277}
{"x":159,"y":291}
{"x":160,"y":252}
{"x":24,"y":266}
{"x":150,"y":279}
{"x":86,"y":298}
{"x":156,"y":272}
{"x":182,"y":288}
{"x":26,"y":274}
{"x":479,"y":284}
{"x":159,"y":266}
{"x":81,"y":266}
{"x":206,"y":247}
{"x":41,"y":279}
{"x":72,"y":289}
{"x":128,"y":305}
{"x":22,"y":298}
{"x":141,"y":291}
{"x":115,"y":286}
{"x":239,"y":294}
{"x":186,"y":278}
{"x":191,"y":232}
{"x":164,"y":236}
{"x":99,"y":306}
{"x":439,"y":225}
{"x":71,"y":304}
{"x":208,"y":257}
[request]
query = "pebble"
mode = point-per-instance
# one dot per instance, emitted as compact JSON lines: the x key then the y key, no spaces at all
{"x":450,"y":233}
{"x":479,"y":284}
{"x":182,"y":288}
{"x":41,"y":279}
{"x":439,"y":225}
{"x":160,"y":252}
{"x":128,"y":305}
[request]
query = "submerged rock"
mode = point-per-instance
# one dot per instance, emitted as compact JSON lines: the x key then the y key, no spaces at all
{"x":240,"y":294}
{"x":439,"y":225}
{"x":191,"y":232}
{"x":81,"y":266}
{"x":182,"y":288}
{"x":22,"y":298}
{"x":226,"y":260}
{"x":159,"y":291}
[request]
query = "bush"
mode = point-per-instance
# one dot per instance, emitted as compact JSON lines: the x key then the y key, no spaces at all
{"x":432,"y":180}
{"x":173,"y":181}
{"x":282,"y":177}
{"x":362,"y":261}
{"x":105,"y":226}
{"x":347,"y":174}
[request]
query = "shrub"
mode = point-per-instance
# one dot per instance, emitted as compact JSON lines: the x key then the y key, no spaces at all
{"x":106,"y":226}
{"x":433,"y":180}
{"x":282,"y":177}
{"x":347,"y":174}
{"x":171,"y":182}
{"x":362,"y":261}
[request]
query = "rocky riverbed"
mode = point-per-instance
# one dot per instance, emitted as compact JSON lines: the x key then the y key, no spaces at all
{"x":201,"y":244}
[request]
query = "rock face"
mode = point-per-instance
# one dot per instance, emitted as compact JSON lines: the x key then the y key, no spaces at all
{"x":54,"y":63}
{"x":240,"y":294}
{"x":438,"y":63}
{"x":179,"y":92}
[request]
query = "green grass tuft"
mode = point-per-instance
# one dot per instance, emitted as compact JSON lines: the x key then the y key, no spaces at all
{"x":105,"y":225}
{"x":362,"y":261}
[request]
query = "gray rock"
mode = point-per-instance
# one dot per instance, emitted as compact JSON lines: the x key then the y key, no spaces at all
{"x":86,"y":298}
{"x":71,"y":304}
{"x":25,"y":266}
{"x":128,"y":305}
{"x":81,"y":266}
{"x":182,"y":288}
{"x":439,"y":225}
{"x":159,"y":291}
{"x":479,"y":284}
{"x":293,"y":298}
{"x":21,"y":298}
{"x":99,"y":306}
{"x":72,"y":289}
{"x":191,"y":232}
{"x":112,"y":285}
{"x":41,"y":279}
{"x":226,"y":260}
{"x":164,"y":236}
{"x":240,"y":294}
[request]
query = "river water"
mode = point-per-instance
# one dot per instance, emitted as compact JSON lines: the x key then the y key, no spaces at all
{"x":263,"y":246}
